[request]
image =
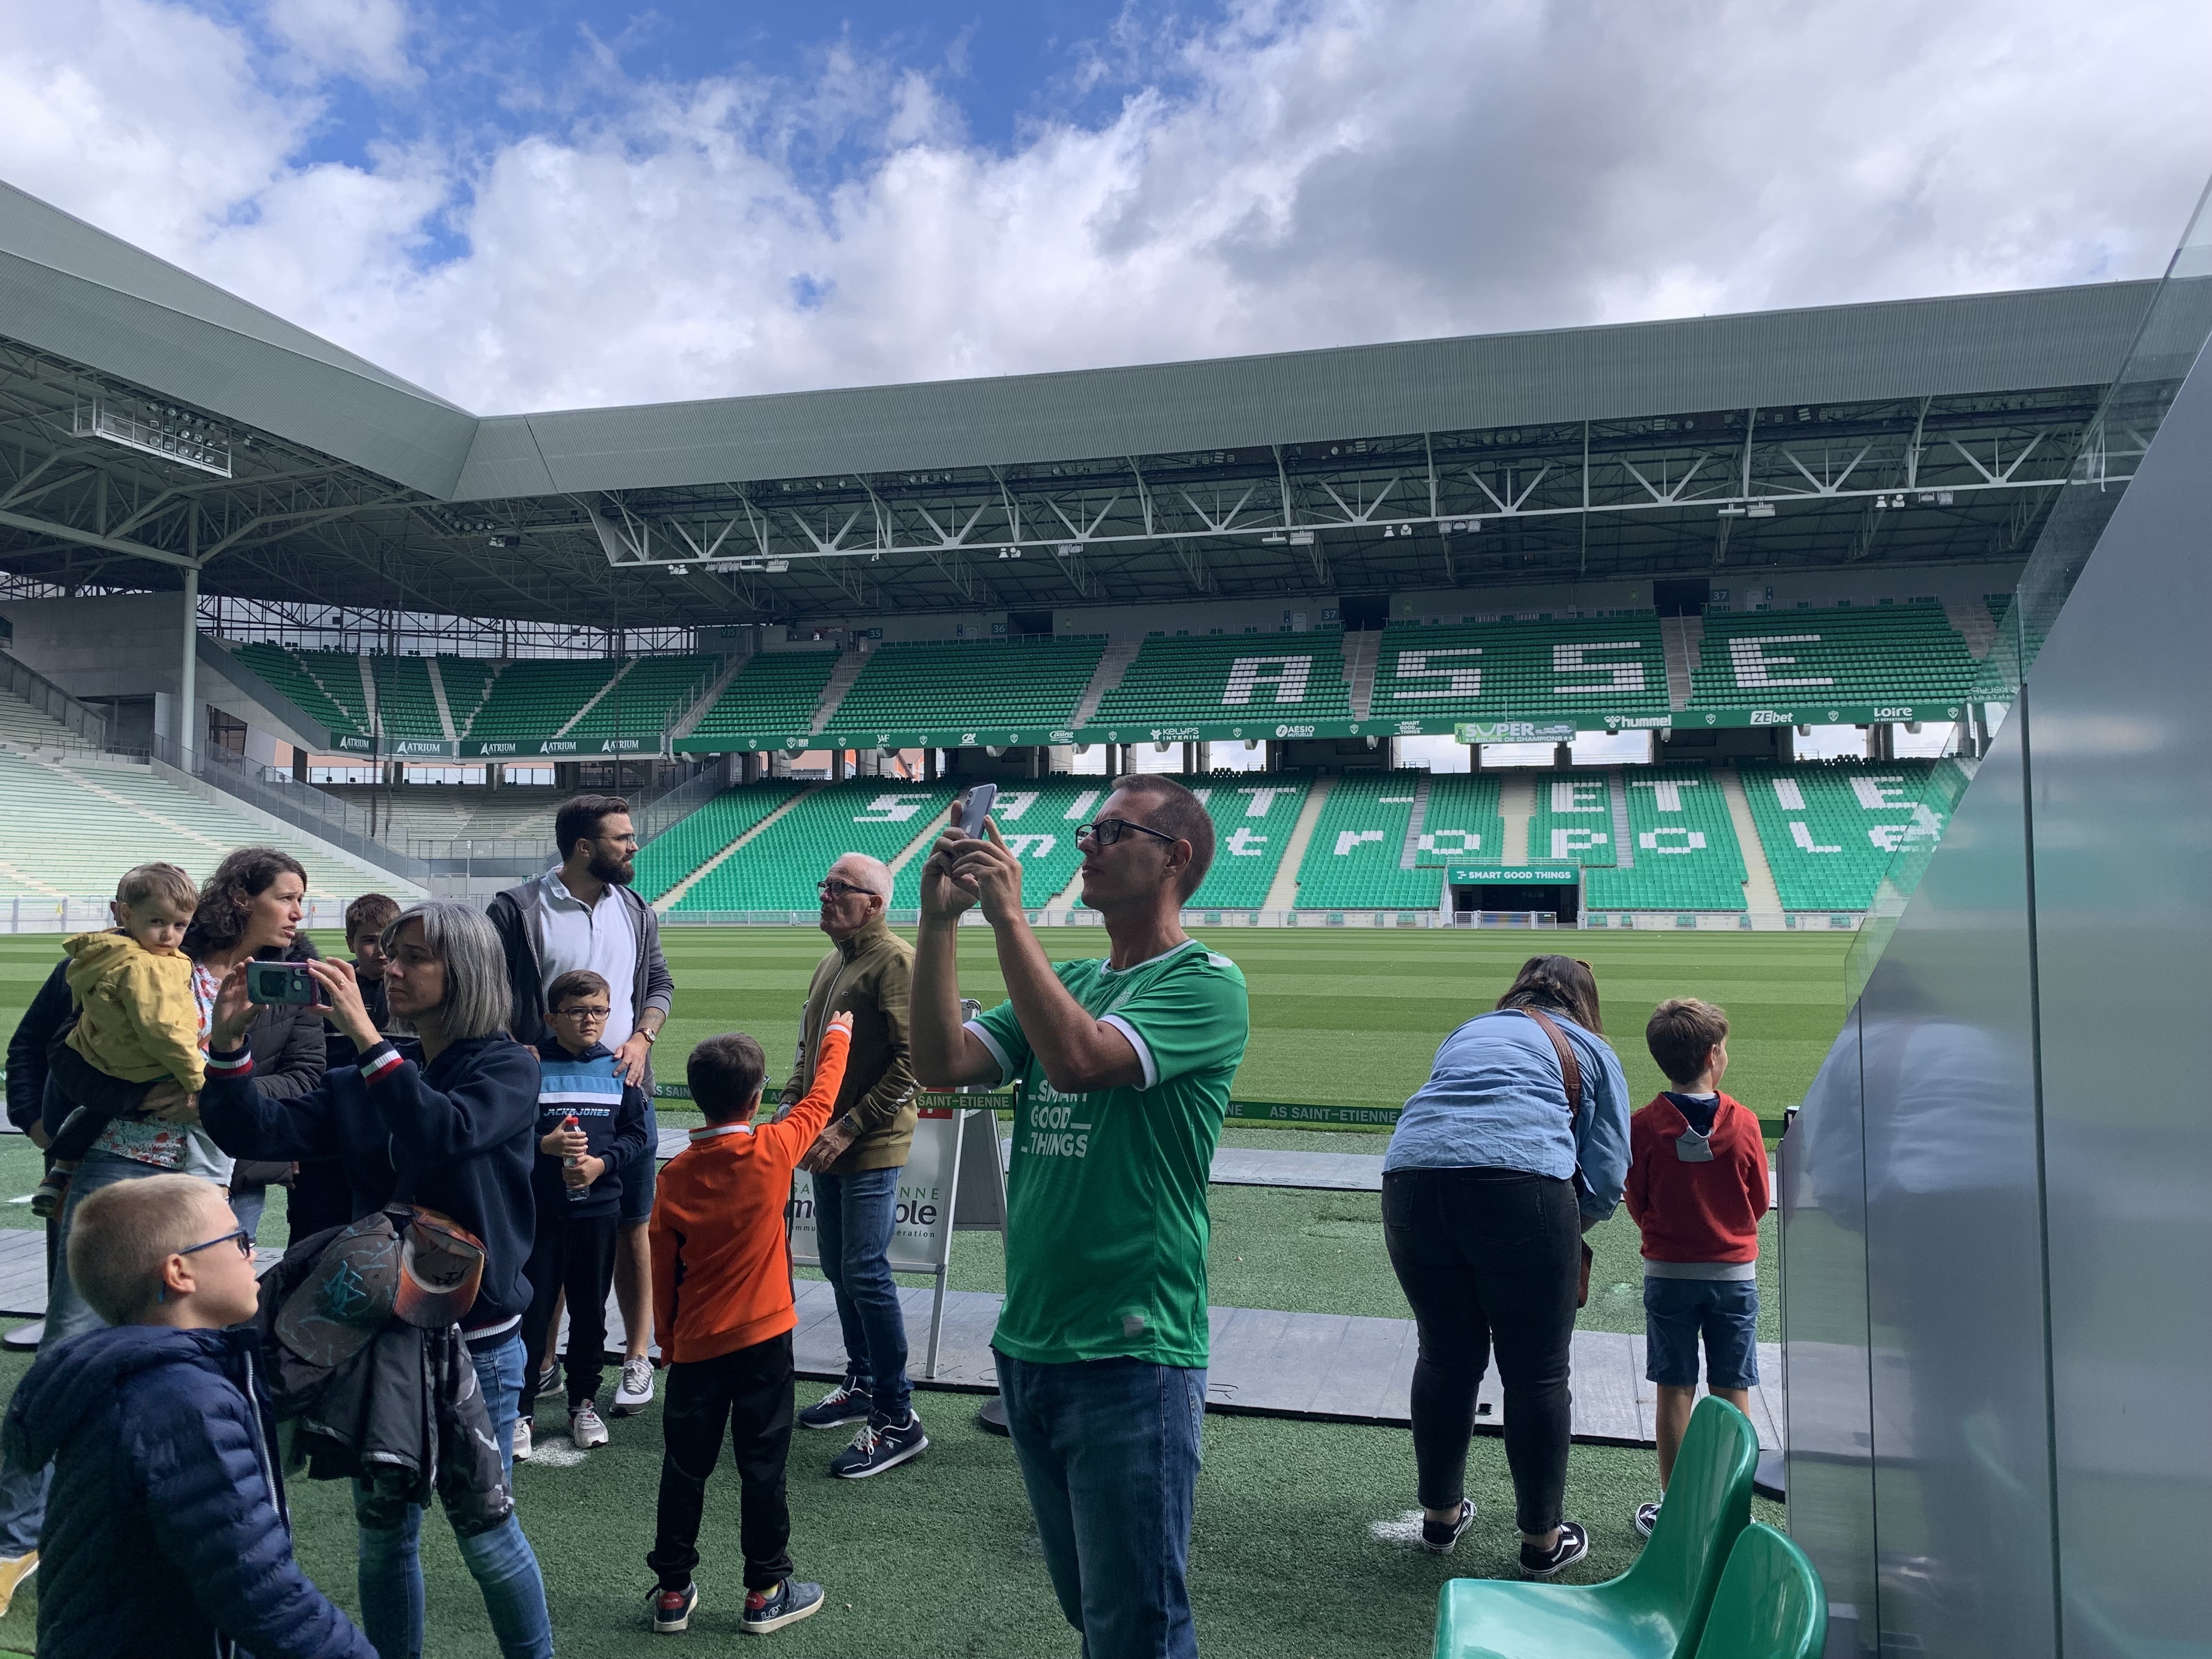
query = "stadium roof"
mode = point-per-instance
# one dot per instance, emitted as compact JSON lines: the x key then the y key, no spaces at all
{"x":149,"y":415}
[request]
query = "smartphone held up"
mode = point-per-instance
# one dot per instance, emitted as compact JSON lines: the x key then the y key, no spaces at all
{"x":283,"y":982}
{"x":976,"y":808}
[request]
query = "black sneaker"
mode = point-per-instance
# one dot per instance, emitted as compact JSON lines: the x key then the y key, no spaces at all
{"x":850,"y":1401}
{"x":1438,"y":1537}
{"x":548,"y":1380}
{"x":1573,"y":1544}
{"x":672,"y":1610}
{"x":792,"y":1603}
{"x":880,"y":1446}
{"x":1647,"y":1516}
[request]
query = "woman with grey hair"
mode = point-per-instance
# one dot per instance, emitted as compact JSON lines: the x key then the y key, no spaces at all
{"x":446,"y":1117}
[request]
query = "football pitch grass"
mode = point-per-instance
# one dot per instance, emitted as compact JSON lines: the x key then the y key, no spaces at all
{"x":939,"y":1558}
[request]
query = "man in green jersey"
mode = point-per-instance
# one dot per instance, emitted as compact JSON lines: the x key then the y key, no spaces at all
{"x":1125,"y":1067}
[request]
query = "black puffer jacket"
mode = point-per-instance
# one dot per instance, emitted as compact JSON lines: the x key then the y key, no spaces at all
{"x":165,"y":1532}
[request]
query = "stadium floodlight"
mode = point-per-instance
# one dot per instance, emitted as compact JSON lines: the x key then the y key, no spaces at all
{"x":185,"y":440}
{"x":1733,"y":510}
{"x":1068,"y":550}
{"x":1759,"y":510}
{"x":1302,"y":538}
{"x":679,"y":569}
{"x":776,"y":567}
{"x":1275,"y":540}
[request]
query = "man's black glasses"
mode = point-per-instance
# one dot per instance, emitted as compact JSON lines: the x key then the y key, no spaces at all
{"x":836,"y":890}
{"x":1107,"y":831}
{"x":243,"y":1239}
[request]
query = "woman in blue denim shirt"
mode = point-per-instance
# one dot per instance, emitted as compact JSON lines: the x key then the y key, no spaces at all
{"x":1487,"y":1190}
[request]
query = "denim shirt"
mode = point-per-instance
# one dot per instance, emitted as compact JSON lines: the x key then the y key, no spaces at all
{"x":1494,"y":1100}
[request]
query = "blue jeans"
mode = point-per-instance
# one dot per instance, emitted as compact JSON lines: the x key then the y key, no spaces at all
{"x":1109,"y":1450}
{"x":502,"y":1561}
{"x":23,"y":1491}
{"x":853,"y":1216}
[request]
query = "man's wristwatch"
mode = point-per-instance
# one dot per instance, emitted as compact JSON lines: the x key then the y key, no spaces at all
{"x":651,"y":1037}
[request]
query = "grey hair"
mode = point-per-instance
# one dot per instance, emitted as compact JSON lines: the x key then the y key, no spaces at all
{"x":874,"y":874}
{"x":478,"y":1001}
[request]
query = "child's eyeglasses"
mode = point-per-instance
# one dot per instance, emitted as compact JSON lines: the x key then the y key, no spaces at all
{"x":577,"y":1010}
{"x":239,"y":1236}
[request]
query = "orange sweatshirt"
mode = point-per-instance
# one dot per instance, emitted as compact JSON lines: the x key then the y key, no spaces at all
{"x":721,"y":1269}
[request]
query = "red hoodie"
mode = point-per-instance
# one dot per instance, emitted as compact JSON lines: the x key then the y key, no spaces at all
{"x":1697,"y":1212}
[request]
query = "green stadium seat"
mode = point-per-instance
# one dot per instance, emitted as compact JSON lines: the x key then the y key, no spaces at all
{"x":1354,"y":860}
{"x":1545,"y":668}
{"x":777,"y":870}
{"x":1770,"y":1603}
{"x":1831,"y":829}
{"x":1905,"y":654}
{"x":773,"y":694}
{"x":536,"y":697}
{"x":1182,"y":679}
{"x":645,"y":700}
{"x":324,"y":685}
{"x":1010,"y":685}
{"x":697,"y":836}
{"x":1656,"y":1610}
{"x":1254,"y":814}
{"x":1683,"y":846}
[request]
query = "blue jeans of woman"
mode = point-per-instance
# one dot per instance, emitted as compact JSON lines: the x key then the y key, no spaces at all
{"x":853,"y":1216}
{"x":500,"y":1560}
{"x":1109,"y":1450}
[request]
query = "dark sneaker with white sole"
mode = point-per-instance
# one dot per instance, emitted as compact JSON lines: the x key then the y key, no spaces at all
{"x":792,"y":1603}
{"x":1438,"y":1537}
{"x":1573,"y":1544}
{"x":880,"y":1446}
{"x":548,"y":1380}
{"x":850,"y":1401}
{"x":672,"y":1610}
{"x":1647,"y":1516}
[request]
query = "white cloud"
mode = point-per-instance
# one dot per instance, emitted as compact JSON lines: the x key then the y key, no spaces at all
{"x":1354,"y":171}
{"x":364,"y":38}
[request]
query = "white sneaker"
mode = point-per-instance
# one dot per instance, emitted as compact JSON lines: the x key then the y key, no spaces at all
{"x":585,"y":1427}
{"x":634,"y":1392}
{"x":522,"y":1440}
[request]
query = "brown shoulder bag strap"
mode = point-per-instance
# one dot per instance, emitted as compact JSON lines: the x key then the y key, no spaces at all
{"x":1571,"y":1078}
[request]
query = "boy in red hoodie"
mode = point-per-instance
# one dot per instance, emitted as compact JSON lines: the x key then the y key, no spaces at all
{"x":723,"y":1314}
{"x":1697,"y":1187}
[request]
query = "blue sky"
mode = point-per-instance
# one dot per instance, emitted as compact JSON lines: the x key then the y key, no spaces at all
{"x":542,"y":205}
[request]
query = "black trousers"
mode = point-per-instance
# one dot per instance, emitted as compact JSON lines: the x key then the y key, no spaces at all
{"x":1488,"y":1258}
{"x":575,"y":1254}
{"x":750,"y":1392}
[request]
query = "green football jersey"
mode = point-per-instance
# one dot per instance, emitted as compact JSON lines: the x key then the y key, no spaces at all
{"x":1106,"y":1217}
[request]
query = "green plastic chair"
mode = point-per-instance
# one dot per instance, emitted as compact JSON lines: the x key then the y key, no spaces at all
{"x":1770,"y":1604}
{"x":1656,"y":1609}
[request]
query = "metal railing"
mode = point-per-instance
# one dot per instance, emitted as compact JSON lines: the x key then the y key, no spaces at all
{"x":42,"y":693}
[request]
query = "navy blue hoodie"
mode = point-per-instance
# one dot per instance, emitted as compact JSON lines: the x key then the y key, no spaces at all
{"x":456,"y":1136}
{"x":610,"y":1111}
{"x":166,"y":1533}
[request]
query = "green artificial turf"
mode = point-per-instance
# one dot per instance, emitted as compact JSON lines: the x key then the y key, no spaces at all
{"x":940,"y":1559}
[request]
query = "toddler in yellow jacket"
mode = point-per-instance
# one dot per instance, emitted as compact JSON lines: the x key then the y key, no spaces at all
{"x":138,"y":1019}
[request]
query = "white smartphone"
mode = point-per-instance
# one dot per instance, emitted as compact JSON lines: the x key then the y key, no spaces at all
{"x":976,"y":808}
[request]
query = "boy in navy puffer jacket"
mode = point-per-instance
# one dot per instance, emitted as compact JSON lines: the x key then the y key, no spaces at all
{"x":166,"y":1532}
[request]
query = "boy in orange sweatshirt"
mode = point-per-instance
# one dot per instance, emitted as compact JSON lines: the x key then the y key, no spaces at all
{"x":723,"y":1314}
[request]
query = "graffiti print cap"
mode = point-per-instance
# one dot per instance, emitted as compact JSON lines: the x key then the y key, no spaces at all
{"x":424,"y":1273}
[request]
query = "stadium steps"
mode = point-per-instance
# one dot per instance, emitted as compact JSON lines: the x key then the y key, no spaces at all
{"x":1684,"y":637}
{"x":1283,"y":891}
{"x":1419,"y":817}
{"x":33,"y":728}
{"x":1108,"y":674}
{"x":438,"y":696}
{"x":1760,"y":895}
{"x":666,"y":902}
{"x":850,"y":664}
{"x":1624,"y":839}
{"x":1975,"y":624}
{"x":1517,"y":805}
{"x":599,"y":696}
{"x":685,"y":723}
{"x":1362,"y":651}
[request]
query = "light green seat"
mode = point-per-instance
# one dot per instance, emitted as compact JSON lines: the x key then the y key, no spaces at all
{"x":1656,"y":1609}
{"x":1770,"y":1604}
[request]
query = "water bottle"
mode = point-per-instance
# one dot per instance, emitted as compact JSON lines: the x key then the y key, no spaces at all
{"x":576,"y":1195}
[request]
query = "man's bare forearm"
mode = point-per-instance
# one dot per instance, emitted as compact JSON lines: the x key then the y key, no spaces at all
{"x":934,"y":1011}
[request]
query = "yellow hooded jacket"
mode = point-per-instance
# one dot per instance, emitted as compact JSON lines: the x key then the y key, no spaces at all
{"x":139,"y":1019}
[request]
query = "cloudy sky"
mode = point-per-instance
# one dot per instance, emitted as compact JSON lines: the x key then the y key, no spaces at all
{"x":541,"y":204}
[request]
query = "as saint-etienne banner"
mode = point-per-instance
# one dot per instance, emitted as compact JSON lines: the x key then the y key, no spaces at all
{"x":952,"y":1182}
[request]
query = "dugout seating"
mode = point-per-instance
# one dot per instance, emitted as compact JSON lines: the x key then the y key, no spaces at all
{"x":1886,"y":653}
{"x":536,"y":697}
{"x":696,"y":837}
{"x":1254,"y":814}
{"x":776,"y":692}
{"x":75,"y":827}
{"x":654,"y":693}
{"x":1831,"y":829}
{"x":778,"y":869}
{"x":1354,"y":860}
{"x":1541,"y":668}
{"x":1176,"y":678}
{"x":1038,"y":821}
{"x":1661,"y":1607}
{"x":1015,"y":684}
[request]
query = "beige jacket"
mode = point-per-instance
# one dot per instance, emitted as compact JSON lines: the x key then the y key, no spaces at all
{"x":871,"y":974}
{"x":139,"y":1019}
